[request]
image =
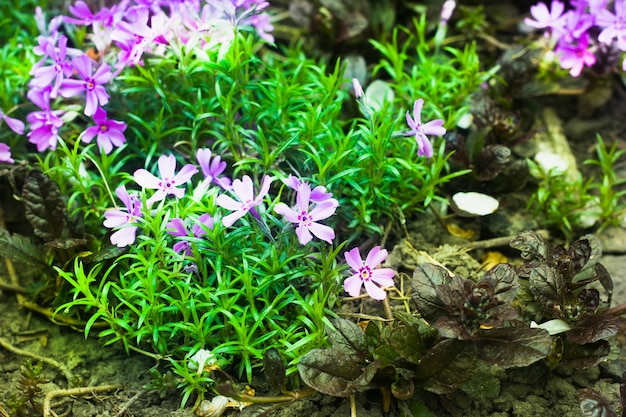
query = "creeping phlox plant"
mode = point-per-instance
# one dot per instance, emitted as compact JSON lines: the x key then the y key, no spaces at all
{"x":588,"y":32}
{"x":198,"y":190}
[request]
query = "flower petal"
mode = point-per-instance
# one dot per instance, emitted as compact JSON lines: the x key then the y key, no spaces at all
{"x":146,"y":179}
{"x":304,"y":236}
{"x":375,"y":257}
{"x":322,"y":232}
{"x":167,"y":166}
{"x":124,"y":236}
{"x":233,"y":217}
{"x":353,"y":258}
{"x":352,"y":285}
{"x":434,"y":127}
{"x":383,"y":277}
{"x":290,"y":214}
{"x":374,"y":291}
{"x":114,"y":218}
{"x":417,"y":111}
{"x":185,"y":174}
{"x":227,"y":202}
{"x":324,"y":210}
{"x":243,"y":189}
{"x":176,"y":227}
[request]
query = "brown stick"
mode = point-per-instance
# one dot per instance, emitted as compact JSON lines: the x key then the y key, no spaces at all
{"x":73,"y":391}
{"x":61,"y":367}
{"x":618,"y":310}
{"x":495,"y":242}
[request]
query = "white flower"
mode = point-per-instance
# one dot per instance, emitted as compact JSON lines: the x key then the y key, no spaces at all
{"x":201,"y":359}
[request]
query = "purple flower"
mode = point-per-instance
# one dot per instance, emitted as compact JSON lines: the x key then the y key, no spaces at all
{"x":307,"y":221}
{"x":419,"y":130}
{"x":544,"y":18}
{"x":5,"y":154}
{"x":91,"y":83}
{"x":367,"y":274}
{"x":57,"y":71}
{"x":169,"y":181}
{"x":246,"y":201}
{"x":49,"y":34}
{"x":212,"y":168}
{"x":110,"y":132}
{"x":576,"y":25}
{"x":14,"y":124}
{"x":83,"y":14}
{"x":127,"y":219}
{"x":178,"y":228}
{"x":44,"y":125}
{"x":614,"y":25}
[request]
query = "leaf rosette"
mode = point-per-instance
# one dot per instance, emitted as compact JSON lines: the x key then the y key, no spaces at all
{"x":481,"y":313}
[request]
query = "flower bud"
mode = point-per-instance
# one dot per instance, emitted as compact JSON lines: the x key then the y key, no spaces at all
{"x":446,"y":11}
{"x":358,"y":90}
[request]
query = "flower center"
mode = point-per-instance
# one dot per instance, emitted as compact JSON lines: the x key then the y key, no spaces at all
{"x":167,"y":183}
{"x":365,"y":273}
{"x":305,"y":219}
{"x":245,"y":205}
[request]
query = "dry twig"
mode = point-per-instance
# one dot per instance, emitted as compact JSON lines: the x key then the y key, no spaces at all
{"x":61,"y":367}
{"x":47,"y":409}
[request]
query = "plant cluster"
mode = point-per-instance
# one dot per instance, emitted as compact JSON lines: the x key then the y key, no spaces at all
{"x":28,"y":402}
{"x":194,"y":185}
{"x":572,"y":206}
{"x":460,"y":324}
{"x":197,"y":196}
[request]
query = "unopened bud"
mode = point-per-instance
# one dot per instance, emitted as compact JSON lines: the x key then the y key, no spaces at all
{"x":358,"y":90}
{"x":446,"y":11}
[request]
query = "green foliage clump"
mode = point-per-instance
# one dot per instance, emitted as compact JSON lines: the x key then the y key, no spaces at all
{"x":244,"y":290}
{"x":572,"y":206}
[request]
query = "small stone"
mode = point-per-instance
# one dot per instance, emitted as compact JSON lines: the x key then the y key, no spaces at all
{"x":473,"y":204}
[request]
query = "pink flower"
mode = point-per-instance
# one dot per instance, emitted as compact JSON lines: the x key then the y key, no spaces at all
{"x":5,"y":154}
{"x":169,"y":181}
{"x":434,"y":127}
{"x":575,"y":56}
{"x":614,"y":25}
{"x":366,"y":273}
{"x":544,"y":18}
{"x":307,"y":221}
{"x":110,"y":132}
{"x":318,"y":194}
{"x":178,"y":228}
{"x":141,"y":35}
{"x":244,"y":191}
{"x":127,"y":220}
{"x":91,"y":83}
